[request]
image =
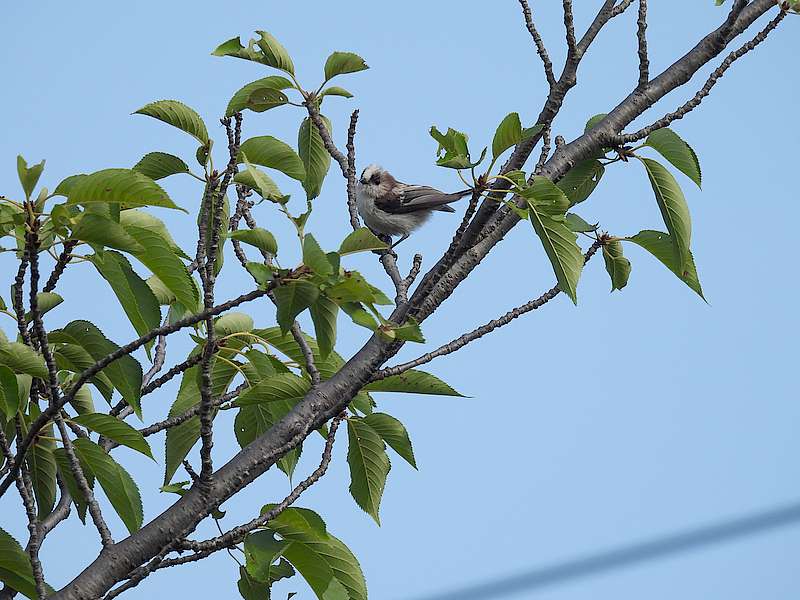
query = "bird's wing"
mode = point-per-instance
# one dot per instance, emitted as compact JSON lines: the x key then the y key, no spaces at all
{"x":405,"y":198}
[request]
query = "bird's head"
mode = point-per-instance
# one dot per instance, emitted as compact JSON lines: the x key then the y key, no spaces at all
{"x":375,"y":181}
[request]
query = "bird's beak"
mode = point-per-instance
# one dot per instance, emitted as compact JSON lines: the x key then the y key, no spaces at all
{"x":363,"y":181}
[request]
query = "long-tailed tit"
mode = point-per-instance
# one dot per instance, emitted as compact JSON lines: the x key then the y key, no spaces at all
{"x":390,"y":207}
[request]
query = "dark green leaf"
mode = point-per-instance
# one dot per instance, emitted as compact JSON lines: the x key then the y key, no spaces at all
{"x":140,"y":218}
{"x":316,"y":159}
{"x":670,"y":145}
{"x":283,"y":386}
{"x":323,"y":313}
{"x":578,"y":225}
{"x":74,"y":358}
{"x":157,"y":165}
{"x":393,"y":433}
{"x":22,"y":359}
{"x":323,"y":560}
{"x":413,"y":382}
{"x":359,"y":315}
{"x":354,"y":288}
{"x":64,"y":188}
{"x":661,"y":246}
{"x":125,"y":372}
{"x":178,"y":115}
{"x":15,"y":567}
{"x":120,"y":186}
{"x":240,"y":99}
{"x":270,"y":152}
{"x":292,"y":298}
{"x":116,"y":430}
{"x":135,"y":296}
{"x":508,"y":134}
{"x":340,"y":63}
{"x":42,"y":465}
{"x":265,"y":98}
{"x":117,"y":484}
{"x":335,"y":90}
{"x":361,"y":240}
{"x":261,"y":549}
{"x":580,"y":181}
{"x":618,"y":267}
{"x":255,"y":420}
{"x":594,"y":121}
{"x":314,"y":257}
{"x":674,"y":209}
{"x":260,"y":238}
{"x":102,"y":231}
{"x":369,"y":466}
{"x":65,"y":470}
{"x":9,"y":395}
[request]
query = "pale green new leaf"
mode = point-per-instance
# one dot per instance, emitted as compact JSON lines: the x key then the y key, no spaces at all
{"x":157,"y":165}
{"x":340,"y":63}
{"x":28,"y":176}
{"x":393,"y":433}
{"x":178,"y":115}
{"x":369,"y":466}
{"x":258,"y":237}
{"x":125,"y":187}
{"x":670,"y":145}
{"x":233,"y":322}
{"x":45,"y":301}
{"x":260,"y":182}
{"x":116,"y":430}
{"x":361,"y":240}
{"x":274,"y":54}
{"x":140,"y":218}
{"x":316,"y":159}
{"x":119,"y":487}
{"x":673,"y":207}
{"x":335,"y":90}
{"x":23,"y":359}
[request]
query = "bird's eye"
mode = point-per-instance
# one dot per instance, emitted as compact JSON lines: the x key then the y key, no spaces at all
{"x":375,"y":178}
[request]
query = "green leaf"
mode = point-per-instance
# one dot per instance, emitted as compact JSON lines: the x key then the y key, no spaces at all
{"x":285,"y":344}
{"x":578,"y":225}
{"x":594,"y":121}
{"x":273,"y":52}
{"x":292,"y":298}
{"x":618,"y":267}
{"x":359,"y":315}
{"x":354,"y":288}
{"x":119,"y":487}
{"x":674,"y":209}
{"x":341,"y":63}
{"x":260,"y":238}
{"x":125,"y":372}
{"x":661,"y":246}
{"x":453,"y":151}
{"x":23,"y":359}
{"x":261,"y":549}
{"x":255,"y":420}
{"x":159,"y":257}
{"x":28,"y":176}
{"x":413,"y":382}
{"x":314,"y":257}
{"x":135,"y":296}
{"x":45,"y":301}
{"x":558,"y":241}
{"x":508,"y":134}
{"x":65,"y":471}
{"x":102,"y":231}
{"x":260,"y":272}
{"x":323,"y":313}
{"x":42,"y":465}
{"x":74,"y":358}
{"x":182,"y":438}
{"x":316,"y":159}
{"x":140,"y":218}
{"x":233,"y":322}
{"x":82,"y":402}
{"x":670,"y":145}
{"x":15,"y":567}
{"x":335,"y":90}
{"x":119,"y":186}
{"x":157,"y":165}
{"x":251,"y":589}
{"x":9,"y":395}
{"x":265,"y":98}
{"x":393,"y":433}
{"x":241,"y":98}
{"x":369,"y":466}
{"x":271,"y":152}
{"x":361,"y":240}
{"x":116,"y":430}
{"x":580,"y":181}
{"x":178,"y":115}
{"x":323,"y":560}
{"x":282,"y":386}
{"x":162,"y":293}
{"x":63,"y":188}
{"x":260,"y":182}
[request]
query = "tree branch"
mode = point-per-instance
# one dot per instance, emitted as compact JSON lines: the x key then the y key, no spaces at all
{"x":541,"y":50}
{"x":641,"y":36}
{"x":61,"y":264}
{"x":569,"y":26}
{"x":355,"y":222}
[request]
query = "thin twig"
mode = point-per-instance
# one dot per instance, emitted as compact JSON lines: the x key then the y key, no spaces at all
{"x":569,"y":25}
{"x":237,"y":534}
{"x":61,"y":264}
{"x":158,"y":361}
{"x":706,"y":89}
{"x":621,"y":8}
{"x":541,"y":50}
{"x":641,"y":36}
{"x":481,"y":331}
{"x":546,"y":147}
{"x":355,"y":222}
{"x":308,"y":355}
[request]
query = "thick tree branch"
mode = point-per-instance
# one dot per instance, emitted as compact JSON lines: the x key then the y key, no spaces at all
{"x":569,"y":26}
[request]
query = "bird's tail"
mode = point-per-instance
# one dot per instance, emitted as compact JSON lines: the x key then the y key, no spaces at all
{"x":454,"y":197}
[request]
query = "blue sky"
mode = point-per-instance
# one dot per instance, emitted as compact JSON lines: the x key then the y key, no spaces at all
{"x":635,"y":415}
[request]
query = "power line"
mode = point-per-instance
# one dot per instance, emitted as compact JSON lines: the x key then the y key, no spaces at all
{"x":626,"y":556}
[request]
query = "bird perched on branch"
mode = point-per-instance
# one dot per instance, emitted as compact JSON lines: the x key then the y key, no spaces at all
{"x":391,"y":208}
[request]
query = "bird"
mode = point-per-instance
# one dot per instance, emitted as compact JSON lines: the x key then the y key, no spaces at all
{"x":390,"y":207}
